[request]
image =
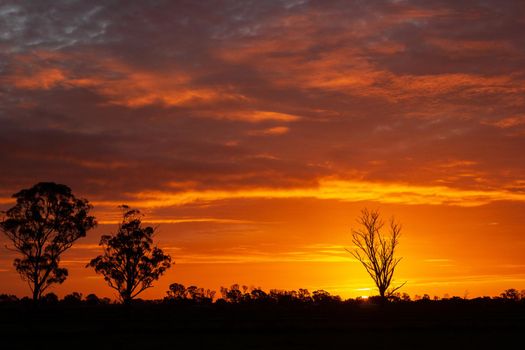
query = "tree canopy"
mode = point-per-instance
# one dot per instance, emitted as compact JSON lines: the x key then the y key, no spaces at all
{"x":45,"y":221}
{"x":130,"y":263}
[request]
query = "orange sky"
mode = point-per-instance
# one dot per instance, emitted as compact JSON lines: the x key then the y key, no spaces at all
{"x":253,"y":134}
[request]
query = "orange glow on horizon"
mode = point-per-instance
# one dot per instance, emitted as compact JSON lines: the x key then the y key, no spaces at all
{"x":330,"y":189}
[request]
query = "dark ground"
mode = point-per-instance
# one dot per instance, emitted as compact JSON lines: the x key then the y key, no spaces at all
{"x":414,"y":325}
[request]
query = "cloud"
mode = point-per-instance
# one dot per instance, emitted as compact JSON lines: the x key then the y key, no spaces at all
{"x":43,"y":79}
{"x":181,"y":221}
{"x":329,"y":189}
{"x":508,"y":122}
{"x":117,"y":81}
{"x":471,"y":279}
{"x":243,"y":255}
{"x":259,"y":116}
{"x":383,"y":92}
{"x":434,"y":260}
{"x":276,"y":130}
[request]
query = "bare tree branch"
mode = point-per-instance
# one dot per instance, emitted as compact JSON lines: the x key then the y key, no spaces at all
{"x":376,"y":251}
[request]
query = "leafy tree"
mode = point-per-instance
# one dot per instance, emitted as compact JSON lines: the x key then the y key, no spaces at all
{"x":304,"y":295}
{"x":322,"y":296}
{"x":73,"y":298}
{"x":258,"y":294}
{"x":232,"y":294}
{"x":8,"y":298}
{"x":200,"y":295}
{"x":283,"y":296}
{"x":49,"y":298}
{"x":92,"y":299}
{"x":510,"y":294}
{"x":45,"y":222}
{"x":376,"y":251}
{"x":177,"y":291}
{"x":130,"y":263}
{"x":196,"y":294}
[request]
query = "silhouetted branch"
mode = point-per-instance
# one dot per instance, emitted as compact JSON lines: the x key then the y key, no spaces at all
{"x":375,"y":251}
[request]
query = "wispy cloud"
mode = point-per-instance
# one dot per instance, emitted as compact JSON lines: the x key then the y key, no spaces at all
{"x":468,"y":280}
{"x":182,"y":221}
{"x":508,"y":122}
{"x":242,"y":255}
{"x":273,"y":131}
{"x":343,"y":190}
{"x":437,"y":260}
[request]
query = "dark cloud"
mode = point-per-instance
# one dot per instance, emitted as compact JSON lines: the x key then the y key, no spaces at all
{"x":120,"y":97}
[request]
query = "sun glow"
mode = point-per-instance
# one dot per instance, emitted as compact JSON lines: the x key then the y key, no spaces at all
{"x":343,"y":190}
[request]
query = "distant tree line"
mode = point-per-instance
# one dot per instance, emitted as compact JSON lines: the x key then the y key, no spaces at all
{"x":178,"y":294}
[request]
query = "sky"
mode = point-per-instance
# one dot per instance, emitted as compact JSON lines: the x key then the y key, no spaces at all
{"x":252,"y":133}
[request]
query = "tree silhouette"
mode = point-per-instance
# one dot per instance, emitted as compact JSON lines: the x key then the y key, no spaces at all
{"x":177,"y":291}
{"x":376,"y":251}
{"x":46,"y":220}
{"x":130,"y":263}
{"x":510,"y":294}
{"x":232,"y":294}
{"x":74,"y":298}
{"x":196,"y":294}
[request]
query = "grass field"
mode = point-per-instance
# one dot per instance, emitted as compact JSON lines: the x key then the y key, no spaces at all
{"x":414,"y":325}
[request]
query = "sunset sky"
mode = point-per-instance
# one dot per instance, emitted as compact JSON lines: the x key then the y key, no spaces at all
{"x":252,"y":133}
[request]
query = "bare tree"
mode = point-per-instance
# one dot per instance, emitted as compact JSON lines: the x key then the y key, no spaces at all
{"x":45,"y":222}
{"x":376,"y":251}
{"x":130,"y":263}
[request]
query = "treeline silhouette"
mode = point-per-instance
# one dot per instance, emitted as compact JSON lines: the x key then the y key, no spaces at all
{"x":178,"y":294}
{"x":255,"y":319}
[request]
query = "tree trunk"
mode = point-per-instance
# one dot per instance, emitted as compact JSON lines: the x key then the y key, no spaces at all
{"x":126,"y":297}
{"x":36,"y":293}
{"x":382,"y":293}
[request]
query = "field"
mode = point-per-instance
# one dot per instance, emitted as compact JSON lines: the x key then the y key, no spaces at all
{"x":447,"y":324}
